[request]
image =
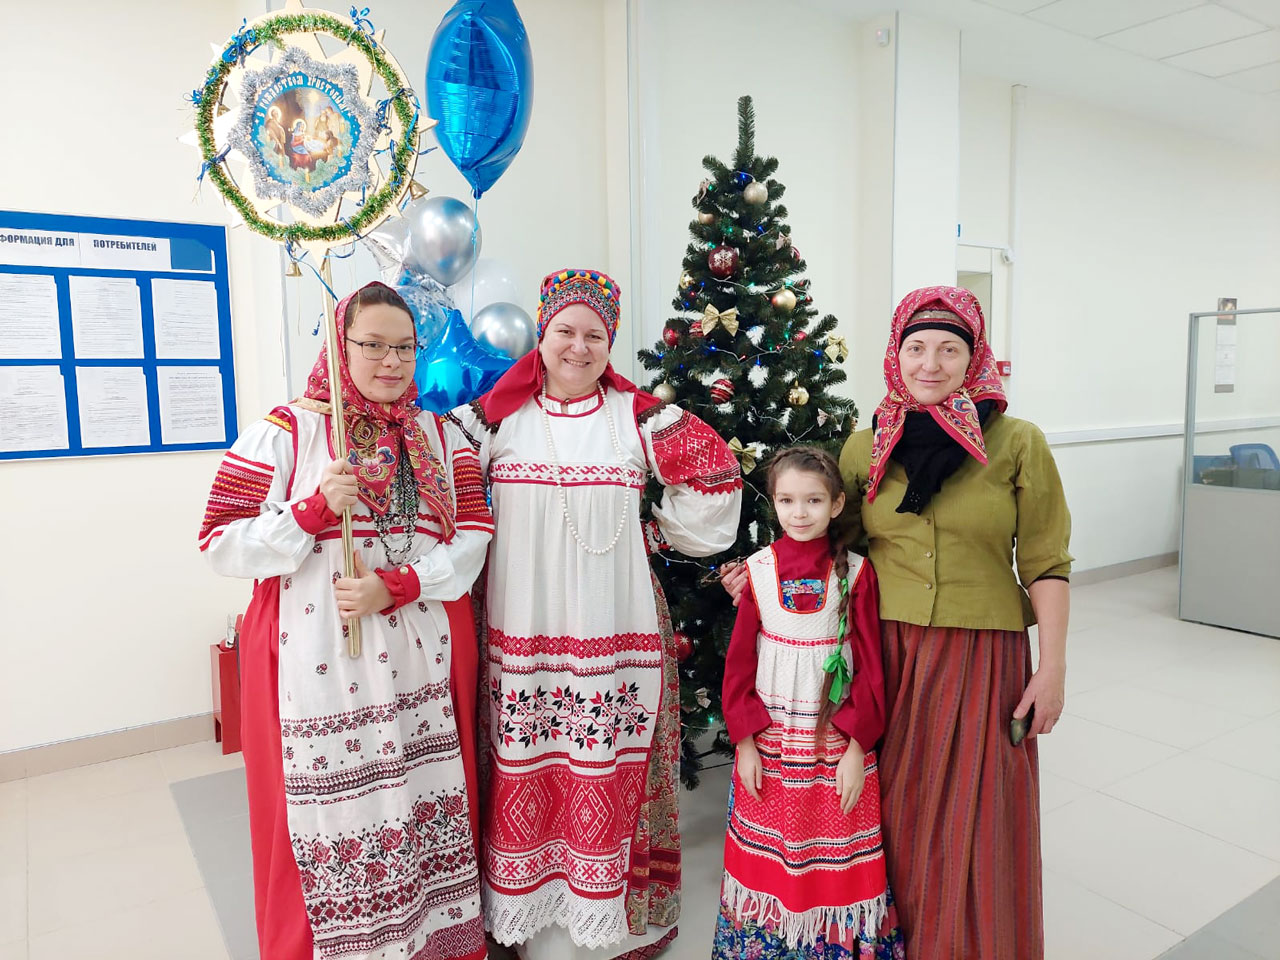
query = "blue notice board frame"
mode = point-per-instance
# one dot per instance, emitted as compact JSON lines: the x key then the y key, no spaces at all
{"x":63,"y":246}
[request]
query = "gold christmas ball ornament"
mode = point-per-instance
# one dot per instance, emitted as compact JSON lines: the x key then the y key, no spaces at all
{"x":755,"y":193}
{"x":784,"y":300}
{"x":686,"y":280}
{"x":706,"y":218}
{"x":665,"y":392}
{"x":798,"y":396}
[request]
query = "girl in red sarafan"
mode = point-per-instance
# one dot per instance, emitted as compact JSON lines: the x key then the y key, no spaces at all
{"x":804,"y":872}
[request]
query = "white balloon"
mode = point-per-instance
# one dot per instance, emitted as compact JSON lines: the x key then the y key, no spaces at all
{"x":494,"y":283}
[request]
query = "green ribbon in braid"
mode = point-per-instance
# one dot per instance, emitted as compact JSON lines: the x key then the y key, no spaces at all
{"x":835,"y":664}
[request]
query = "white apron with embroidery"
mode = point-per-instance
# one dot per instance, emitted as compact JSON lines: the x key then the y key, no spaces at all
{"x":574,"y":656}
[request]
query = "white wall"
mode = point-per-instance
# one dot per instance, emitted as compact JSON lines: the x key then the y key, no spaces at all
{"x":926,"y":154}
{"x":868,"y":330}
{"x":695,"y":61}
{"x":109,"y":606}
{"x":1125,"y":226}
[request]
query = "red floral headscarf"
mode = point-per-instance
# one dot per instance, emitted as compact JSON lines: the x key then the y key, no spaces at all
{"x":958,"y":413}
{"x":378,"y":437}
{"x":598,"y":291}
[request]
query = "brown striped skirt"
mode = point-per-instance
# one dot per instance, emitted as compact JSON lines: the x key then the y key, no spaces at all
{"x":960,"y":805}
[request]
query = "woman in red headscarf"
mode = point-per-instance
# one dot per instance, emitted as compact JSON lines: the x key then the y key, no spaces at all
{"x":358,"y":809}
{"x":967,"y":527}
{"x":581,"y":847}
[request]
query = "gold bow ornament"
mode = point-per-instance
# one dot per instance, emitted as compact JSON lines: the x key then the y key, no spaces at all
{"x":711,"y":316}
{"x":837,"y":349}
{"x":748,"y":456}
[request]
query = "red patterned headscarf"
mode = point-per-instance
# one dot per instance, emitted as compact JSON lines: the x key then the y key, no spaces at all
{"x":602,"y":294}
{"x":958,"y":413}
{"x":378,"y":437}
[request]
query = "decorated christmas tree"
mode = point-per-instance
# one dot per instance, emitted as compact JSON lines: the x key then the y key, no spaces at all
{"x":747,"y":354}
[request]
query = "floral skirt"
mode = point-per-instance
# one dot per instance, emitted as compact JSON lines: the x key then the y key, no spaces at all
{"x":747,"y":940}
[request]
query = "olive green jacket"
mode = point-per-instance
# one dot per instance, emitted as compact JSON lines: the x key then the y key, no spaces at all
{"x":953,"y":564}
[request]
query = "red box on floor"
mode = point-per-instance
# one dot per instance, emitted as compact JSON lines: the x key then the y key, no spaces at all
{"x":224,"y":660}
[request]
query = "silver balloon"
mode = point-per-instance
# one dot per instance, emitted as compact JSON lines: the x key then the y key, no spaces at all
{"x":388,"y":242}
{"x":504,"y":328}
{"x":444,"y":238}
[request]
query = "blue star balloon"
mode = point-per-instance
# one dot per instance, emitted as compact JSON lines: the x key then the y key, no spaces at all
{"x":480,"y":88}
{"x":455,"y":369}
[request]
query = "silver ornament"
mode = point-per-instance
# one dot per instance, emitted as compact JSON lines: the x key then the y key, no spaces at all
{"x":504,"y":328}
{"x":665,"y":392}
{"x":755,"y":193}
{"x":444,"y":238}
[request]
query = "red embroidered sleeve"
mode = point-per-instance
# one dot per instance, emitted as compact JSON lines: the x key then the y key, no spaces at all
{"x":468,"y":490}
{"x":690,"y":452}
{"x":238,"y":492}
{"x":241,"y":485}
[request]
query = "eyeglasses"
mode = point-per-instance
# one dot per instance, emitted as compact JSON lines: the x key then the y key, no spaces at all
{"x":377,"y":350}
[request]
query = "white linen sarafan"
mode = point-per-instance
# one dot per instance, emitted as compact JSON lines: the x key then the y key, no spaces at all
{"x":574,"y":655}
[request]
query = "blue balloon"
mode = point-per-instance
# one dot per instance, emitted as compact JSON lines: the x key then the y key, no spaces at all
{"x":456,"y":369}
{"x":480,"y":88}
{"x":430,"y":306}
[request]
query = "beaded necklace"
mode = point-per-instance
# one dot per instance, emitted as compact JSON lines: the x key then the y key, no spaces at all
{"x":564,"y":500}
{"x":402,"y":512}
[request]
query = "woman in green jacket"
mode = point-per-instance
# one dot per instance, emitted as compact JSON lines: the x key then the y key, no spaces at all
{"x":955,"y":497}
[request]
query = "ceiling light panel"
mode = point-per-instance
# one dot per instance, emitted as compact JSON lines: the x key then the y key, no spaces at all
{"x":1017,"y":6}
{"x":1190,"y":30}
{"x":1232,"y":56}
{"x":1265,"y":11}
{"x":1094,"y":18}
{"x":1264,"y":79}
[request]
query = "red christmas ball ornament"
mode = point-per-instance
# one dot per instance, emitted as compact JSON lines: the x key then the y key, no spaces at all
{"x":799,"y":335}
{"x":722,"y":390}
{"x":670,"y":336}
{"x":722,"y":261}
{"x":684,"y":646}
{"x":795,"y":252}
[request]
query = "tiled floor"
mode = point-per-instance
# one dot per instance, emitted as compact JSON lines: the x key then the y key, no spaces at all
{"x":1161,"y":800}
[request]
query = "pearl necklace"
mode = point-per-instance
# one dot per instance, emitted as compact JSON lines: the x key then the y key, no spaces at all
{"x":564,"y":500}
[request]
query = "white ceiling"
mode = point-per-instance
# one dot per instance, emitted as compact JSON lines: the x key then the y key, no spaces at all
{"x":1218,"y":39}
{"x":1210,"y":67}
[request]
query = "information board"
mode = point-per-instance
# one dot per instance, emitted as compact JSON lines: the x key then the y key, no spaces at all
{"x":115,"y":337}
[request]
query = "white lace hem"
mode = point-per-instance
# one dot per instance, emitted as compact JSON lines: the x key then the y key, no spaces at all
{"x":591,"y":923}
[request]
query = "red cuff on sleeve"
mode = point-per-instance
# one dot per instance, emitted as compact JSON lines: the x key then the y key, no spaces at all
{"x":313,"y":514}
{"x":403,"y":585}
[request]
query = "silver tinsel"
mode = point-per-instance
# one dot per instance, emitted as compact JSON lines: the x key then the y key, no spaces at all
{"x":345,"y":76}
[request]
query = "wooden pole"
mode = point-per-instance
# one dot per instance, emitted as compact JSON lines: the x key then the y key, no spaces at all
{"x":339,"y":439}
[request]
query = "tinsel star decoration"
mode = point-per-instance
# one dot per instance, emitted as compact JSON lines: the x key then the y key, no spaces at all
{"x":283,"y":44}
